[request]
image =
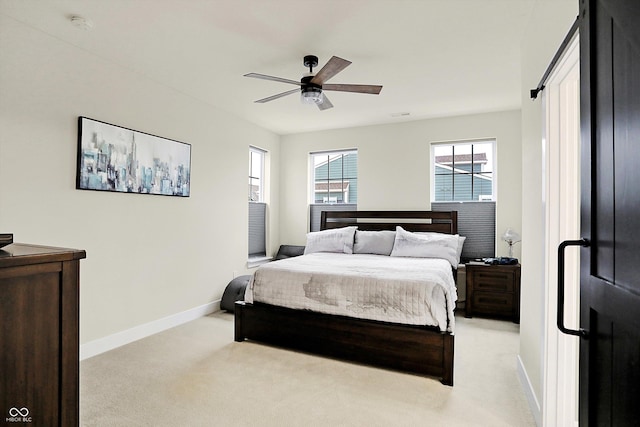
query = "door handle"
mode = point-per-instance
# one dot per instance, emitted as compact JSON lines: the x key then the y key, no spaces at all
{"x":584,"y":243}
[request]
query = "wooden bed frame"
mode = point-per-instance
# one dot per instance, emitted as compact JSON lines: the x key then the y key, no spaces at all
{"x":408,"y":348}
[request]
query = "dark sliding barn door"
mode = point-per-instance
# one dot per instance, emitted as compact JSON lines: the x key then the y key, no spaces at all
{"x":610,"y":185}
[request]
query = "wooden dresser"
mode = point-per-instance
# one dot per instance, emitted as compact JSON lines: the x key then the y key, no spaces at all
{"x":493,"y":291}
{"x":39,"y":358}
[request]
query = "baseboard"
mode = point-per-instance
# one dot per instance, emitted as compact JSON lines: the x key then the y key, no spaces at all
{"x":534,"y":405}
{"x":101,"y":345}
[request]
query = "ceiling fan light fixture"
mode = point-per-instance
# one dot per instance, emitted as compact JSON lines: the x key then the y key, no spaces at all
{"x":311,"y":95}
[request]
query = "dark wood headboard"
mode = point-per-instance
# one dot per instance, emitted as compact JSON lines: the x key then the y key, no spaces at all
{"x":441,"y":222}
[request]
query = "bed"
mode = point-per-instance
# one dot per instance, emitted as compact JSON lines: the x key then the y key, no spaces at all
{"x":415,"y":344}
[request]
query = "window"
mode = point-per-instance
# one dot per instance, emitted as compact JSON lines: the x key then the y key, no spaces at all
{"x":335,"y":177}
{"x":256,"y":174}
{"x":257,"y":206}
{"x":334,"y":183}
{"x":463,"y":171}
{"x":463,"y":179}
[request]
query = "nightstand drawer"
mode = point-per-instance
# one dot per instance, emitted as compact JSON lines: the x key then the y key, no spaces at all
{"x":493,"y":302}
{"x":492,"y":280}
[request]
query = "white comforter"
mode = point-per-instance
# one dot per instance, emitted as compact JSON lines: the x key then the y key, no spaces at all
{"x":415,"y":291}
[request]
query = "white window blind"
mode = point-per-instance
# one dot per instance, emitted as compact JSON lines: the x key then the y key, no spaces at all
{"x":477,"y":222}
{"x":257,"y":229}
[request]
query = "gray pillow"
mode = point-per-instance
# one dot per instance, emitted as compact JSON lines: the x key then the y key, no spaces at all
{"x":374,"y":242}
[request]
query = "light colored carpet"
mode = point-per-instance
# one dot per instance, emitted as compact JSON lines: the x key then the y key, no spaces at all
{"x":196,"y":375}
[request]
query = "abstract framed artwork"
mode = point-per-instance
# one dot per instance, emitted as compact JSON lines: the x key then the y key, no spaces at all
{"x":117,"y":159}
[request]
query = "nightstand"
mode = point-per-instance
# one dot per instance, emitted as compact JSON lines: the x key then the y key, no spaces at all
{"x":493,"y":291}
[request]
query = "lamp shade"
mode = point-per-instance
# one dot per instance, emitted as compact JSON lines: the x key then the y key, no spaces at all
{"x":511,"y":236}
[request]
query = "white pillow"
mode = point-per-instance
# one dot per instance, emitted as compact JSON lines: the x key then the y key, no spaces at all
{"x":334,"y":240}
{"x":426,"y":245}
{"x":374,"y":242}
{"x":461,"y":240}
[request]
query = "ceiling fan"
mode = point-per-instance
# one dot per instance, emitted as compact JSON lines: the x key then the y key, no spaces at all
{"x":312,"y":85}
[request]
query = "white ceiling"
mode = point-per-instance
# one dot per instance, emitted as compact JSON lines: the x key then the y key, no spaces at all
{"x":434,"y":57}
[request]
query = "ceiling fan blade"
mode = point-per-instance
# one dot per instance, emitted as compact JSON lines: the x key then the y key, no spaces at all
{"x":326,"y":104}
{"x":330,"y":69}
{"x":280,"y":95}
{"x":372,"y":89}
{"x":275,"y":79}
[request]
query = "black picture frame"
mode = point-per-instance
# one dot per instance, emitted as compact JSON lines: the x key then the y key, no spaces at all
{"x":118,"y":159}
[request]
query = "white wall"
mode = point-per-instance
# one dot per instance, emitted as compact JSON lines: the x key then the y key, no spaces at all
{"x":148,"y":257}
{"x":394,"y":170}
{"x":548,"y":26}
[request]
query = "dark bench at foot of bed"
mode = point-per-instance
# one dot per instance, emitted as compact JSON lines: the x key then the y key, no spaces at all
{"x":406,"y":348}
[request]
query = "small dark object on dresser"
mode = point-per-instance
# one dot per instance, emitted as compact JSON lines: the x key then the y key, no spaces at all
{"x":234,"y":292}
{"x":501,"y":261}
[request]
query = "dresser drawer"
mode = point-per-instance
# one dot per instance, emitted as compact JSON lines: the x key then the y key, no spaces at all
{"x":492,"y":280}
{"x":493,"y":302}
